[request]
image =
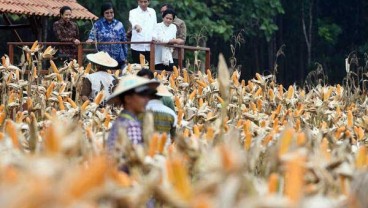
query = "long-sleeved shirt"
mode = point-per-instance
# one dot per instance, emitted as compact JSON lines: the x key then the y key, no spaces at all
{"x":105,"y":31}
{"x":163,"y":34}
{"x":66,"y":32}
{"x":147,"y":20}
{"x":181,"y":33}
{"x":132,"y":126}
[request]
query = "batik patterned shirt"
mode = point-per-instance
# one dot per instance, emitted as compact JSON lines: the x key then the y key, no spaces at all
{"x":104,"y":31}
{"x":66,"y":32}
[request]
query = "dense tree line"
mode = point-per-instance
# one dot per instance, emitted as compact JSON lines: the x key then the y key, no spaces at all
{"x":285,"y":37}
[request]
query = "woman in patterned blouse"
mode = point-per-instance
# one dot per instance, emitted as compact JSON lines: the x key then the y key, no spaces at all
{"x":67,"y":31}
{"x":108,"y":29}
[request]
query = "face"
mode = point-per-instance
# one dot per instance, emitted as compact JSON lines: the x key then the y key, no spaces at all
{"x":143,"y":4}
{"x":109,"y":14}
{"x":67,"y":15}
{"x":168,"y":19}
{"x":136,"y":103}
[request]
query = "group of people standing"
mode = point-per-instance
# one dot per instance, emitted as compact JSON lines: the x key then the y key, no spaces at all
{"x":135,"y":93}
{"x":144,"y":28}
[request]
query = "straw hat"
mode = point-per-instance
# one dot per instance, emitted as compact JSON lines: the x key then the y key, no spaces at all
{"x":129,"y":82}
{"x":102,"y":58}
{"x":163,"y":91}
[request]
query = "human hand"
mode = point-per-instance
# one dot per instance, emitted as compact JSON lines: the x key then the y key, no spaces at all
{"x":138,"y":28}
{"x":76,"y":42}
{"x":89,"y":41}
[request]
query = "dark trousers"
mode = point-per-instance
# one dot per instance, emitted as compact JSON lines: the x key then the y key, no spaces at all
{"x":161,"y":67}
{"x":135,"y":56}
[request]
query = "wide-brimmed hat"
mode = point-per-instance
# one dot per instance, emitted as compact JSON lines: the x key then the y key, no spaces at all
{"x":102,"y":58}
{"x":163,"y":91}
{"x":129,"y":82}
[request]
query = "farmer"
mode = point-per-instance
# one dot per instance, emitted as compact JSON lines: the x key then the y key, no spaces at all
{"x":99,"y":80}
{"x":133,"y":93}
{"x":143,"y":20}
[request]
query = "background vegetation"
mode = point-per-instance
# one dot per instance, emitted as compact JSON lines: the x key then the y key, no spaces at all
{"x":250,"y":33}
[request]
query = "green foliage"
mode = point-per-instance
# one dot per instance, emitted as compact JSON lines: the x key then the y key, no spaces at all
{"x":329,"y":32}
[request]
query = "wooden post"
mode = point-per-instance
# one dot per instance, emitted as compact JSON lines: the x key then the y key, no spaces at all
{"x":180,"y":57}
{"x":208,"y":59}
{"x":11,"y":53}
{"x":80,"y":54}
{"x":152,"y":56}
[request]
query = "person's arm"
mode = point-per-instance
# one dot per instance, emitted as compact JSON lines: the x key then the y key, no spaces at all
{"x":182,"y":33}
{"x":76,"y":40}
{"x":123,"y":38}
{"x":133,"y":19}
{"x":86,"y":89}
{"x":92,"y":34}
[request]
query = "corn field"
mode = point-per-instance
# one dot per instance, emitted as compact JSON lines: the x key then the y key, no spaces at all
{"x":252,"y":143}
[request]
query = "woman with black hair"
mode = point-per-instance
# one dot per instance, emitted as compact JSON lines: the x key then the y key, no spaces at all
{"x":67,"y":31}
{"x":165,"y":32}
{"x":109,"y":29}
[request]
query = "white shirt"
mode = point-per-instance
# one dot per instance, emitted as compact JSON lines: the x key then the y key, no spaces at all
{"x":163,"y":33}
{"x":147,"y":20}
{"x":99,"y":80}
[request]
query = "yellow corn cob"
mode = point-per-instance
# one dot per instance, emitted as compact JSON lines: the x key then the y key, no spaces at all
{"x":12,"y":97}
{"x":200,"y":90}
{"x":297,"y":124}
{"x":271,"y":94}
{"x":2,"y":107}
{"x":72,"y":103}
{"x":181,"y":179}
{"x":121,"y":178}
{"x":2,"y":117}
{"x":210,"y":133}
{"x":258,"y":92}
{"x":361,"y":157}
{"x":250,"y":85}
{"x":162,"y":143}
{"x":186,"y":133}
{"x":342,"y":179}
{"x":99,"y":97}
{"x":350,"y":119}
{"x":278,"y":109}
{"x":209,"y":76}
{"x":59,"y":77}
{"x":220,"y":99}
{"x":142,"y":60}
{"x":248,"y":140}
{"x":281,"y":91}
{"x":227,"y":158}
{"x":294,"y":182}
{"x":201,"y":83}
{"x":176,"y":72}
{"x":200,"y":102}
{"x":301,"y":139}
{"x":196,"y":131}
{"x":177,"y":102}
{"x":338,"y":90}
{"x":50,"y":89}
{"x":12,"y":133}
{"x":61,"y":103}
{"x":267,"y":139}
{"x":3,"y":61}
{"x":324,"y":149}
{"x":290,"y":93}
{"x":185,"y":76}
{"x":34,"y":73}
{"x":327,"y":94}
{"x":153,"y":145}
{"x":235,"y":79}
{"x":1,"y":136}
{"x":285,"y":141}
{"x":47,"y":50}
{"x":273,"y":183}
{"x":259,"y":105}
{"x":62,"y":88}
{"x":180,"y":116}
{"x":359,"y":132}
{"x":34,"y":45}
{"x":85,"y":104}
{"x":192,"y":95}
{"x":88,"y":68}
{"x":53,"y":67}
{"x":259,"y":77}
{"x":253,"y":107}
{"x":172,"y":83}
{"x":129,"y":69}
{"x":107,"y":120}
{"x":243,"y":83}
{"x":17,"y":76}
{"x":164,"y":74}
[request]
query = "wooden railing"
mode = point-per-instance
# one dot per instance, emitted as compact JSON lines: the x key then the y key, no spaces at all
{"x":82,"y":50}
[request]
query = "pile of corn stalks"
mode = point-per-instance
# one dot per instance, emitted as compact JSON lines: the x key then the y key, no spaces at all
{"x":239,"y":144}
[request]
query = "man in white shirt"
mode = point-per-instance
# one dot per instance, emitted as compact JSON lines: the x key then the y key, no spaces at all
{"x":143,"y":20}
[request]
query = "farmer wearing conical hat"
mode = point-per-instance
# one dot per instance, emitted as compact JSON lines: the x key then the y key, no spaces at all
{"x":99,"y":80}
{"x":133,"y":93}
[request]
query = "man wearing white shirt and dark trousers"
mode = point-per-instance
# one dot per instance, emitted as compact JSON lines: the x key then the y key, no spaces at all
{"x":143,"y":20}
